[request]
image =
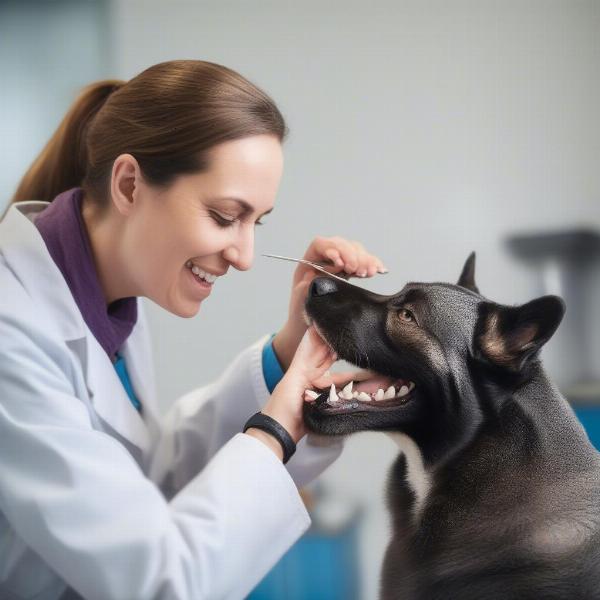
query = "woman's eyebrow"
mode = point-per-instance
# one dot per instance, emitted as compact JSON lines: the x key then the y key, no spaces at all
{"x":246,"y":208}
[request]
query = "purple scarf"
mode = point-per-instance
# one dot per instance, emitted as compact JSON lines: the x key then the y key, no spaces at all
{"x":63,"y":230}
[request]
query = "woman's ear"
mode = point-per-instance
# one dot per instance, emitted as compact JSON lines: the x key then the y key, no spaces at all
{"x":511,"y":336}
{"x":125,"y":180}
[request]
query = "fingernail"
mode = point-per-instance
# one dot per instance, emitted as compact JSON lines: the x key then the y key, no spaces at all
{"x":384,"y":270}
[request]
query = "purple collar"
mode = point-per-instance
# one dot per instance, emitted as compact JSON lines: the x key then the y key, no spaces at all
{"x":63,"y":230}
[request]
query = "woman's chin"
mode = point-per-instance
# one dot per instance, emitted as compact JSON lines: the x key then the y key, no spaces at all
{"x":187,"y":310}
{"x":182,"y":307}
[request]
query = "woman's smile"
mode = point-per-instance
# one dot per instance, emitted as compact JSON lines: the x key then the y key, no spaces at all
{"x":201,"y":287}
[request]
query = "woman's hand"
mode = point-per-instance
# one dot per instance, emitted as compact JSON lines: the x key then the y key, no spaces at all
{"x":310,"y":363}
{"x":308,"y":370}
{"x":348,"y":256}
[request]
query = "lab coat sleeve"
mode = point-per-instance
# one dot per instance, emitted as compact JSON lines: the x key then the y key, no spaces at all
{"x":200,"y":422}
{"x":80,"y":501}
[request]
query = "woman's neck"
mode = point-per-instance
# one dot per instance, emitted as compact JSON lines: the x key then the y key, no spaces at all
{"x":104,"y":232}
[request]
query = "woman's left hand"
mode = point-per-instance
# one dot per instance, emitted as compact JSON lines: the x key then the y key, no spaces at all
{"x":348,"y":256}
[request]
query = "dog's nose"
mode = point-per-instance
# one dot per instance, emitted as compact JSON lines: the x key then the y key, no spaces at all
{"x":321,"y":286}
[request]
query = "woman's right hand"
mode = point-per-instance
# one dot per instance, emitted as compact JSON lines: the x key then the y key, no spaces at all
{"x":308,"y":370}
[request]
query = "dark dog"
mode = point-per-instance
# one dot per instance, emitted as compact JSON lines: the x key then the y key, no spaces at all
{"x":496,"y":491}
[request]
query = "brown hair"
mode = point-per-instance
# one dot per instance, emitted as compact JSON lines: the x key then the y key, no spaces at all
{"x":167,"y":117}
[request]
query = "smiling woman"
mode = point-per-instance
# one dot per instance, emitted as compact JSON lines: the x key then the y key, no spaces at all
{"x":150,"y":188}
{"x":210,"y":234}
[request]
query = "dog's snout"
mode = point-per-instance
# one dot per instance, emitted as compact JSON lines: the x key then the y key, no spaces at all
{"x":321,"y":286}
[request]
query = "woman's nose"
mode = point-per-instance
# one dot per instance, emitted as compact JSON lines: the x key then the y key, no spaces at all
{"x":241,"y":254}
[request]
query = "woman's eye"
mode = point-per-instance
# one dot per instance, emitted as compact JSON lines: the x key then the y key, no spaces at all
{"x":222,"y":221}
{"x":406,"y":315}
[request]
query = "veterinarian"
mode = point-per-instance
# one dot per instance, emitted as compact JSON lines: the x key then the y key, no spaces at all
{"x":150,"y":188}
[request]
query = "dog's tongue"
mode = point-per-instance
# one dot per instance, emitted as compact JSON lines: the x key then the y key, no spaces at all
{"x":370,"y":386}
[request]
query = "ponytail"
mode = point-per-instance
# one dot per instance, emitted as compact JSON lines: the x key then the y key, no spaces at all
{"x":62,"y":163}
{"x":168,"y":118}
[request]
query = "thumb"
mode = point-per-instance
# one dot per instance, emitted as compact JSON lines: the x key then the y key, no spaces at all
{"x":312,"y":350}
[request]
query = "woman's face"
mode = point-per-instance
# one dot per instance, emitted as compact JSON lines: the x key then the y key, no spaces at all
{"x":205,"y":221}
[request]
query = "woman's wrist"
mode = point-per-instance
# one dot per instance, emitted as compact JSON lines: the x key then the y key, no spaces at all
{"x":285,"y":343}
{"x":268,"y":440}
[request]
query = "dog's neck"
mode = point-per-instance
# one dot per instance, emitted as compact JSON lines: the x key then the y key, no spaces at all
{"x":418,"y":477}
{"x":532,"y":424}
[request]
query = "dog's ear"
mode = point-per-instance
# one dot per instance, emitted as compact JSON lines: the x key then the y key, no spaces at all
{"x":467,"y":277}
{"x":510,"y":336}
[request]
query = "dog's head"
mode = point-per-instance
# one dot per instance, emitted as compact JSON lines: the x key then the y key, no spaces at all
{"x":440,"y":351}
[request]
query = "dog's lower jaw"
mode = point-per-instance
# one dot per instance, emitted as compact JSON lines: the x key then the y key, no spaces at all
{"x":417,"y":476}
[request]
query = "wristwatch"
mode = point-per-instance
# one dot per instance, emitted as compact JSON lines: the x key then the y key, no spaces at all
{"x":266,"y":423}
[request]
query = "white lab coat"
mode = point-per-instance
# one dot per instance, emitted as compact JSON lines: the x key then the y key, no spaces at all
{"x":98,"y":499}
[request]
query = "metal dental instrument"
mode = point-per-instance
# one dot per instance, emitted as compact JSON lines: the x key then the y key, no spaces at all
{"x":319,"y":266}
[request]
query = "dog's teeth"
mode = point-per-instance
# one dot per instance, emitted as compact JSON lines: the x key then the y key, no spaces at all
{"x":389,"y":393}
{"x":411,"y":386}
{"x":355,"y":394}
{"x":379,"y":394}
{"x":346,"y":395}
{"x":403,"y":391}
{"x":348,"y":388}
{"x":310,"y":395}
{"x":364,"y":397}
{"x":333,"y":397}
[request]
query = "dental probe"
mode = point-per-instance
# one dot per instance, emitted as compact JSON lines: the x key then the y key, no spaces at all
{"x":319,"y":266}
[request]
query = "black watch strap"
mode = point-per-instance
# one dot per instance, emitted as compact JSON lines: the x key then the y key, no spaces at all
{"x":266,"y":423}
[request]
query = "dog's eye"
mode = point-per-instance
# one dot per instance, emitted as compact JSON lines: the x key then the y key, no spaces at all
{"x":406,"y":315}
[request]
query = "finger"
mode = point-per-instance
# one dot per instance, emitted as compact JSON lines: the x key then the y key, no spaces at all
{"x":319,"y":373}
{"x":333,"y":255}
{"x":350,"y":256}
{"x":367,"y":262}
{"x":364,"y":259}
{"x":312,"y":349}
{"x":344,"y":248}
{"x":327,"y":360}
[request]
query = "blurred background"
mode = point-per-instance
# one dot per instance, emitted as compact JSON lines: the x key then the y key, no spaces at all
{"x":423,"y":129}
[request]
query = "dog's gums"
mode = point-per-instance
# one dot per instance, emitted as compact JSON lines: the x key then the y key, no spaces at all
{"x":367,"y":395}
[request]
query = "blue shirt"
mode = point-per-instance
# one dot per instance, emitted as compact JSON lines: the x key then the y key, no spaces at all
{"x":272,"y":371}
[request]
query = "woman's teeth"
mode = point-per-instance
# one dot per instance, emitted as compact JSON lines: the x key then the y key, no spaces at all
{"x":348,"y":394}
{"x":196,"y":270}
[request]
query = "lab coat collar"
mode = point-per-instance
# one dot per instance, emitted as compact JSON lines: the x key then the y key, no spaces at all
{"x":25,"y":253}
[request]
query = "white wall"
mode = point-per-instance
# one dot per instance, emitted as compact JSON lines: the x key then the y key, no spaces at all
{"x":48,"y":51}
{"x":423,"y":129}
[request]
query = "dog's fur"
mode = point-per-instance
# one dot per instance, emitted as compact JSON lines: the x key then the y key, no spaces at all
{"x":496,"y":491}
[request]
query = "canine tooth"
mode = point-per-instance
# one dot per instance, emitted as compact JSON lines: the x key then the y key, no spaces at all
{"x":310,"y":394}
{"x":333,"y":397}
{"x":348,"y":388}
{"x":389,"y":393}
{"x":364,"y":397}
{"x":379,"y":394}
{"x":403,"y":391}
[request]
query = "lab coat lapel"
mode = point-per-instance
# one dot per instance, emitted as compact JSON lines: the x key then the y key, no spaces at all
{"x":26,"y":254}
{"x":138,"y":357}
{"x":109,"y":398}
